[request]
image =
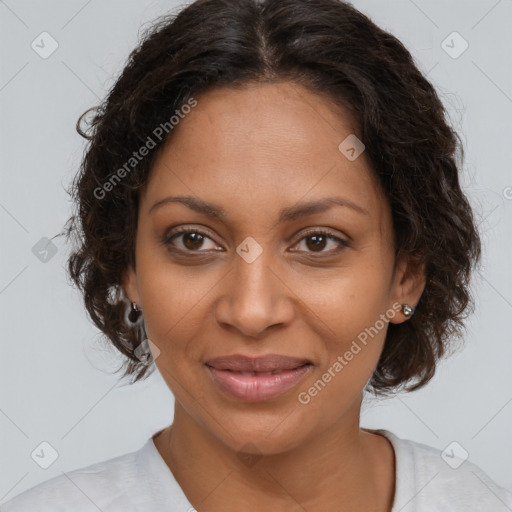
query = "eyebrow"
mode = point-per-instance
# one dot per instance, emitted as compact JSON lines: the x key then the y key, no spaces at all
{"x":287,"y":214}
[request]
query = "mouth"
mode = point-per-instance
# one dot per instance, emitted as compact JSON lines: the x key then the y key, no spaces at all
{"x":257,"y":379}
{"x":263,"y":364}
{"x":259,"y":374}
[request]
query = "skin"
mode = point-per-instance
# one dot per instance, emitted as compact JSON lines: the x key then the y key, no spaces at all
{"x":254,"y":151}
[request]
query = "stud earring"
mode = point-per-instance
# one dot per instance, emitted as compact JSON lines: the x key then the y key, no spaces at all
{"x":407,"y":310}
{"x":134,"y":313}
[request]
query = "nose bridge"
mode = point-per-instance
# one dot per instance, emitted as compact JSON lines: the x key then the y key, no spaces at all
{"x":252,"y":272}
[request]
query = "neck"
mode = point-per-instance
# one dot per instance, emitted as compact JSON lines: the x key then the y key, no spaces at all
{"x":343,"y":468}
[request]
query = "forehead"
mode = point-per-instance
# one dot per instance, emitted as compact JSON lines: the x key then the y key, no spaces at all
{"x":260,"y":145}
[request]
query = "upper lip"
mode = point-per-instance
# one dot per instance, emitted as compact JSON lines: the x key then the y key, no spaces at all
{"x":268,"y":363}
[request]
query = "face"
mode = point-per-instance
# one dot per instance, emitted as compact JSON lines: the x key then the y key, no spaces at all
{"x":255,"y":279}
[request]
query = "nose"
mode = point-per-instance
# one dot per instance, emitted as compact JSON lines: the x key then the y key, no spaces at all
{"x":255,"y":297}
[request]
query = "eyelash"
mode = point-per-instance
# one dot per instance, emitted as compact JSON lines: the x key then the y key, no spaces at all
{"x":171,"y":236}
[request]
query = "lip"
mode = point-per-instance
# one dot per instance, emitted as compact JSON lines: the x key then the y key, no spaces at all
{"x":248,"y":379}
{"x":266,"y":363}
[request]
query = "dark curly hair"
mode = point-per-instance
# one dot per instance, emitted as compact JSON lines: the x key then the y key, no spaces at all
{"x":335,"y":51}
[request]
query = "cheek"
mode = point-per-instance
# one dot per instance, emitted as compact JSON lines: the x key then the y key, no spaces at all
{"x":172,"y":294}
{"x":177,"y":308}
{"x":349,"y":300}
{"x":352,"y":313}
{"x":347,"y":364}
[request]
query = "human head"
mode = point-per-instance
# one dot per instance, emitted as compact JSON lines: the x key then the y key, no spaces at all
{"x":326,"y":47}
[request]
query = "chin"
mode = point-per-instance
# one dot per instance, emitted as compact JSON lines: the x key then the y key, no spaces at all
{"x":263,"y":436}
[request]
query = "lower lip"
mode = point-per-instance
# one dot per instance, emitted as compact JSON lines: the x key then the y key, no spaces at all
{"x":255,"y":388}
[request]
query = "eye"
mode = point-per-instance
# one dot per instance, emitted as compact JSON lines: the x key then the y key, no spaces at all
{"x":192,"y":239}
{"x":320,"y":239}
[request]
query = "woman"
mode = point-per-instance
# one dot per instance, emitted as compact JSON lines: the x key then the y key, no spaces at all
{"x":269,"y":209}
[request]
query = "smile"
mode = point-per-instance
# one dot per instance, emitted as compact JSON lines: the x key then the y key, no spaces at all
{"x":257,"y":386}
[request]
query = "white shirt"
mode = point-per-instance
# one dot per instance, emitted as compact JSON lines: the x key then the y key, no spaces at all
{"x":141,"y":481}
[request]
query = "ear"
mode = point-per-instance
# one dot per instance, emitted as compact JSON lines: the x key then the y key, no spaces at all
{"x":408,"y":284}
{"x":130,"y":286}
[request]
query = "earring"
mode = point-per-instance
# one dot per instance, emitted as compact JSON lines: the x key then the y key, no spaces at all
{"x":134,"y":313}
{"x":407,"y":310}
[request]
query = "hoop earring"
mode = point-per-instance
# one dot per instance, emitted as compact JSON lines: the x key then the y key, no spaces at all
{"x":408,"y":310}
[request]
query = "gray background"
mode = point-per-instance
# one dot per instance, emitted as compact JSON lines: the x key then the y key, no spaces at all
{"x":56,"y":382}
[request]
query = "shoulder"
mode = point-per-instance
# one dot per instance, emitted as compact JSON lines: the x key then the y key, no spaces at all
{"x":100,"y":486}
{"x":429,"y":479}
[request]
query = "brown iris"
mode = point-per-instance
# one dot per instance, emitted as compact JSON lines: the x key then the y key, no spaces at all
{"x":316,"y":245}
{"x":193,"y":241}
